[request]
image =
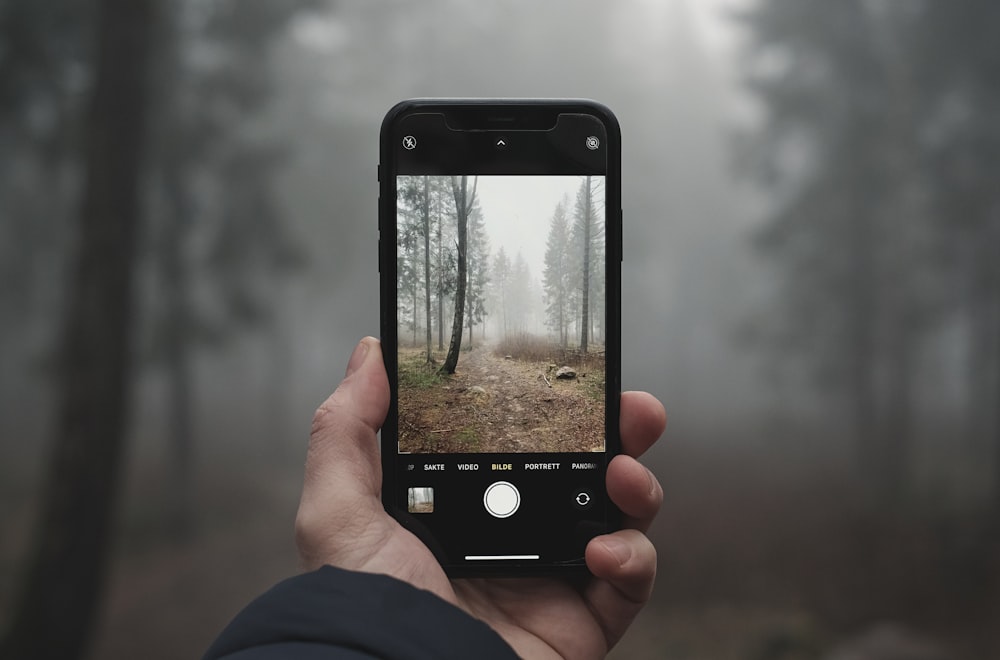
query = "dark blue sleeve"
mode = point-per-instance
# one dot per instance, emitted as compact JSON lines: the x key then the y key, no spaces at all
{"x":336,"y":614}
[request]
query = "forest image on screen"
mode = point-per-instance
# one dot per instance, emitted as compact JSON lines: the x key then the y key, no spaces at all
{"x":500,"y":313}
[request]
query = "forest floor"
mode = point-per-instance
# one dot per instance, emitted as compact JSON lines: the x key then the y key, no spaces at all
{"x":500,"y":403}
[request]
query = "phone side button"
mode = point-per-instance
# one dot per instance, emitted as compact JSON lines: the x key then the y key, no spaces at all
{"x":380,"y":254}
{"x":621,"y":236}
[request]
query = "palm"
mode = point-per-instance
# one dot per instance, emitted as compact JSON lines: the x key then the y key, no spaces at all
{"x":538,"y":617}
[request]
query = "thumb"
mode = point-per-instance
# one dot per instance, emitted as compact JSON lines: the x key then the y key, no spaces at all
{"x":364,"y":392}
{"x":343,"y":472}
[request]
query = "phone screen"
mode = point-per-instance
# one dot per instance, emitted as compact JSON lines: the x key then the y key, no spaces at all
{"x":500,"y":253}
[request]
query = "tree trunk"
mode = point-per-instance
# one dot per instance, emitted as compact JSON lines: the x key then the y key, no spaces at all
{"x":169,"y":140}
{"x":585,"y":316}
{"x":563,"y":317}
{"x":427,"y":265}
{"x":503,"y":306}
{"x":895,"y":457}
{"x":862,"y":354}
{"x":996,"y":393}
{"x":982,"y":303}
{"x":993,"y":300}
{"x":463,"y":204}
{"x":440,"y":287}
{"x":60,"y":596}
{"x":176,"y":348}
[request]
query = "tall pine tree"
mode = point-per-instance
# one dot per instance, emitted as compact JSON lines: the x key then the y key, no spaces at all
{"x":587,"y":235}
{"x":558,"y":277}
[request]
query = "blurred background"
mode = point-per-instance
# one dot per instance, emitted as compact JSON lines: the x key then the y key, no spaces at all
{"x":811,"y":285}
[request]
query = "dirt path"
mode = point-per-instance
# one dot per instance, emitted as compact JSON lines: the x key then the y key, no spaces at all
{"x":493,"y":404}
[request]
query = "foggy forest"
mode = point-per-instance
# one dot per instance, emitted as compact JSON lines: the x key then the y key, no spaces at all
{"x":537,"y":381}
{"x":810,"y":284}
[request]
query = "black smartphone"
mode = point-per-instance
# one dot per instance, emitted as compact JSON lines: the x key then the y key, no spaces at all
{"x":500,"y":262}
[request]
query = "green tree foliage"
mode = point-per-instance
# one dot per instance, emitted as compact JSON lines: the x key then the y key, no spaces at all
{"x":412,"y":250}
{"x":426,"y":263}
{"x":443,"y":256}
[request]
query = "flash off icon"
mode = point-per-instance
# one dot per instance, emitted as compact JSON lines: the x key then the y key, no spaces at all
{"x":593,"y":143}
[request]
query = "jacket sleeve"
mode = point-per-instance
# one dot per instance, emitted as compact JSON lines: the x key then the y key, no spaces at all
{"x":344,"y":615}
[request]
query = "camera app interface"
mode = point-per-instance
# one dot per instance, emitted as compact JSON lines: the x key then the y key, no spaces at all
{"x":502,"y":310}
{"x":501,"y":315}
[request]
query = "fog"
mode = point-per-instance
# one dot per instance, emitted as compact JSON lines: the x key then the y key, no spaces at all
{"x":809,"y":285}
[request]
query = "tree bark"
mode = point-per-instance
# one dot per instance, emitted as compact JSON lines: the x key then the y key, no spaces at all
{"x":427,"y":265}
{"x":585,"y":315}
{"x":63,"y":581}
{"x":463,"y":204}
{"x":440,"y":286}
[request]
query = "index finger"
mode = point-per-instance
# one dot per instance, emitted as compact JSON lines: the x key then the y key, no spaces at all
{"x":642,"y":422}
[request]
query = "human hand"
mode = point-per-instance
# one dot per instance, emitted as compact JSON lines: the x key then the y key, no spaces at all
{"x":341,"y":522}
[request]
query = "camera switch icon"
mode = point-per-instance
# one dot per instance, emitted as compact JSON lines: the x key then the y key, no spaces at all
{"x":582,"y":499}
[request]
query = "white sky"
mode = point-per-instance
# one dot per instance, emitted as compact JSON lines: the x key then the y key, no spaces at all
{"x":517,"y":211}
